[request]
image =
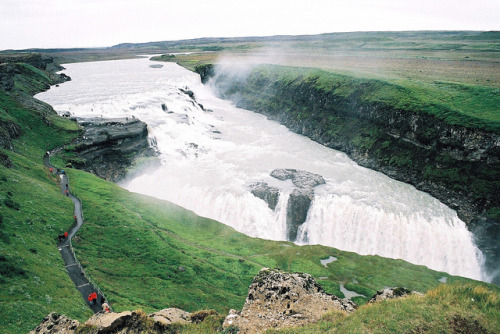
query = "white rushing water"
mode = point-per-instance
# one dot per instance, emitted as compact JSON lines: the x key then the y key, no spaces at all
{"x":210,"y":158}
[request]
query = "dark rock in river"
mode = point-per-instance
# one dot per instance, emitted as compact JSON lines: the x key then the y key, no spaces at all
{"x":300,"y":178}
{"x":264,"y":191}
{"x":299,"y":201}
{"x":296,"y":211}
{"x":109,"y":146}
{"x":301,"y":197}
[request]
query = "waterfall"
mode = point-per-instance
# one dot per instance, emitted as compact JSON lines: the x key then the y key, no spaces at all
{"x":210,"y":156}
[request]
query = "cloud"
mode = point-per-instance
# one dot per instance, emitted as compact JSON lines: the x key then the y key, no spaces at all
{"x":72,"y":23}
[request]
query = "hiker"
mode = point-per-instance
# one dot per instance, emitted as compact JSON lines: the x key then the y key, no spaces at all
{"x":66,"y":192}
{"x":105,"y":307}
{"x":74,"y":217}
{"x":50,"y":169}
{"x":94,"y":297}
{"x":65,"y":235}
{"x":91,"y":299}
{"x":60,"y":237}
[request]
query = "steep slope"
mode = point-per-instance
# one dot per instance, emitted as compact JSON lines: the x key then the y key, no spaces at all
{"x":33,"y":279}
{"x":144,"y":253}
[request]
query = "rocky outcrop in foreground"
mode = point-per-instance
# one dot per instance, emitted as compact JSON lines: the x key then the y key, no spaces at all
{"x":299,"y":201}
{"x":56,"y":323}
{"x":130,"y":322}
{"x":278,"y":299}
{"x":109,"y":146}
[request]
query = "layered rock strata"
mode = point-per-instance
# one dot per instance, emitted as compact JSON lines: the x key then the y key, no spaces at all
{"x":109,"y":146}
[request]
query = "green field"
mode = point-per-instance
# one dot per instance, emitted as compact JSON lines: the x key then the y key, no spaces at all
{"x":149,"y":254}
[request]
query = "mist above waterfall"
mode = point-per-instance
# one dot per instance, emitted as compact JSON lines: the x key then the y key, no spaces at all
{"x":211,"y":154}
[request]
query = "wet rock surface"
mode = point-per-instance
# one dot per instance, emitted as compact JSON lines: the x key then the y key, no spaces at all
{"x":278,"y":299}
{"x":109,"y":146}
{"x":267,"y":193}
{"x":299,"y":201}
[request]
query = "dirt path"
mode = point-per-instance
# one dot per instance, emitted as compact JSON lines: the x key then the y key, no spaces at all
{"x":73,"y":267}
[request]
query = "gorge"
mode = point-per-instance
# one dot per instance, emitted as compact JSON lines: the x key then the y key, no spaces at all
{"x":212,"y":154}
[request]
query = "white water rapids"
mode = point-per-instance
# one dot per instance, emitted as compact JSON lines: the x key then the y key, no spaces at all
{"x":210,"y":157}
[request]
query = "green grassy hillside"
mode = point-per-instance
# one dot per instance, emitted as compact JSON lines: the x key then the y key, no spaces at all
{"x":151,"y":254}
{"x":33,"y":280}
{"x":143,"y":253}
{"x":447,"y":309}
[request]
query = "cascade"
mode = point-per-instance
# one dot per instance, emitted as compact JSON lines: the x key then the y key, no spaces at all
{"x":212,"y":153}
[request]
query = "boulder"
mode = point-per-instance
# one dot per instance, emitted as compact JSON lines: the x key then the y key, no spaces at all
{"x":277,"y":299}
{"x":56,"y":323}
{"x":300,"y":178}
{"x":171,"y":315}
{"x":265,"y":192}
{"x":111,"y":322}
{"x":391,"y":293}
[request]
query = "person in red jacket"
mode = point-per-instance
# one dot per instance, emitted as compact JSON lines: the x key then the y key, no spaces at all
{"x":65,"y":234}
{"x":90,"y":298}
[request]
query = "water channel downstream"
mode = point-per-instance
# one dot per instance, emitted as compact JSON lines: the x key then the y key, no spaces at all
{"x":211,"y":155}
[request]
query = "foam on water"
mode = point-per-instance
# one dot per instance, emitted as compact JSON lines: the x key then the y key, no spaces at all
{"x":209,"y":158}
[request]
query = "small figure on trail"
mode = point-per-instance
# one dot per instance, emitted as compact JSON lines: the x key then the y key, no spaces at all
{"x":60,"y":237}
{"x":105,"y":307}
{"x":65,"y":234}
{"x":74,"y":217}
{"x":90,"y":298}
{"x":51,"y":170}
{"x":66,"y":192}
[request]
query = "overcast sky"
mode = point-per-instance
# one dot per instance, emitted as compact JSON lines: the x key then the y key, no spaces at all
{"x":94,"y":23}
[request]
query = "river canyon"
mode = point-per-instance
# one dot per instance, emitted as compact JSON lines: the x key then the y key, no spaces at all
{"x":213,"y":154}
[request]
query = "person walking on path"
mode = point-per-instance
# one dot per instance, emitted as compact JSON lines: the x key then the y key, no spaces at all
{"x":105,"y":307}
{"x":92,"y":298}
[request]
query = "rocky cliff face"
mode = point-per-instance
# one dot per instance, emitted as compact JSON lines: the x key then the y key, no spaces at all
{"x":276,"y":299}
{"x":108,"y":146}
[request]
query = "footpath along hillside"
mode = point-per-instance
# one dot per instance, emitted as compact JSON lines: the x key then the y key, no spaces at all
{"x":83,"y":283}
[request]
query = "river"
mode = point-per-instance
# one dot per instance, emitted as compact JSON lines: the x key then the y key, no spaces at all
{"x":211,"y":155}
